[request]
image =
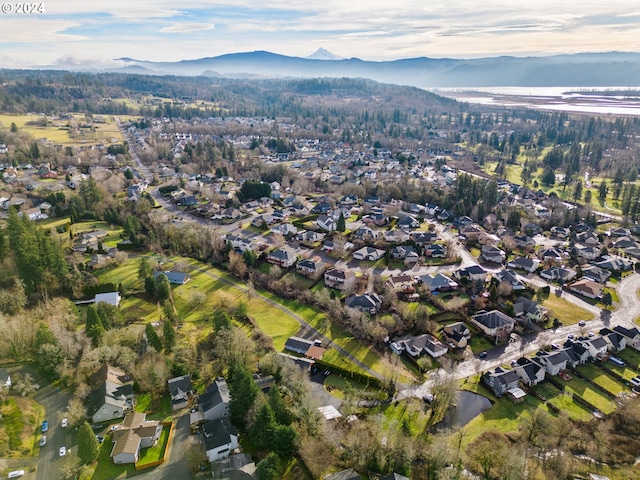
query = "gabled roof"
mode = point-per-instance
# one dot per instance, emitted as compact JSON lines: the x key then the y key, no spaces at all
{"x":493,"y":319}
{"x":297,"y":343}
{"x":217,"y":433}
{"x":216,"y":394}
{"x":180,"y":384}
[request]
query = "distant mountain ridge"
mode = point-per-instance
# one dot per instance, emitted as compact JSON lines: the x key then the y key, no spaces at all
{"x":571,"y":70}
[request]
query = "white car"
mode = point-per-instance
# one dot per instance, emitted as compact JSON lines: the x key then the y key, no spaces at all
{"x":62,"y":452}
{"x":15,"y":474}
{"x":65,"y":422}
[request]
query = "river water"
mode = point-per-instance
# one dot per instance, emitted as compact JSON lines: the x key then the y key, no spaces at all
{"x":596,"y":100}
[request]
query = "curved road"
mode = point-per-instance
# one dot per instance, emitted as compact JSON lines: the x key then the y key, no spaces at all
{"x":628,"y":310}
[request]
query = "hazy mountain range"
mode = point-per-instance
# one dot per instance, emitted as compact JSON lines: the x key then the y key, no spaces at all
{"x":579,"y":70}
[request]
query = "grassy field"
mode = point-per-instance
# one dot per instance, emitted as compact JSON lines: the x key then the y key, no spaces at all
{"x":58,"y":131}
{"x":632,"y":357}
{"x":504,"y":416}
{"x":563,"y":402}
{"x":595,"y":398}
{"x":196,"y":300}
{"x":566,"y":312}
{"x":600,"y":378}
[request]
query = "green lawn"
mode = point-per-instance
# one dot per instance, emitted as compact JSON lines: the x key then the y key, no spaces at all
{"x":599,"y":377}
{"x":583,"y":389}
{"x":480,"y":344}
{"x":504,"y":416}
{"x":566,"y":312}
{"x":143,"y":404}
{"x":153,"y":454}
{"x":300,"y":280}
{"x":563,"y":402}
{"x":631,"y":356}
{"x":106,"y":469}
{"x":625,"y":372}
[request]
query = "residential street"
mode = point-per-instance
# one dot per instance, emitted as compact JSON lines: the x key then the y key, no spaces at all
{"x":49,"y":463}
{"x":627,"y":311}
{"x":176,"y":467}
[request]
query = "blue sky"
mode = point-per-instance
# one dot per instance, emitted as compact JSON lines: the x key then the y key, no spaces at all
{"x":81,"y":32}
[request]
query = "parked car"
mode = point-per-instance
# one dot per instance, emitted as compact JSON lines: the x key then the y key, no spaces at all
{"x":45,"y":426}
{"x":483,"y":354}
{"x":62,"y":452}
{"x":99,"y":438}
{"x":71,"y":185}
{"x":635,"y":381}
{"x":65,"y":422}
{"x":15,"y":474}
{"x":582,"y":323}
{"x":43,"y":440}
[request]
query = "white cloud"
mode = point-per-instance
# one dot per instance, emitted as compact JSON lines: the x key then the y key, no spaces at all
{"x":187,"y":27}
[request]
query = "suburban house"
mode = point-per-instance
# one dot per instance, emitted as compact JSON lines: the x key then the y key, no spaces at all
{"x":282,"y":257}
{"x":529,"y":309}
{"x":309,"y":236}
{"x":5,"y":378}
{"x":510,"y":277}
{"x":560,"y":232}
{"x":416,"y":346}
{"x":134,"y":433}
{"x":339,"y":279}
{"x":471,"y":273}
{"x":326,"y":223}
{"x":112,"y":396}
{"x":492,"y":254}
{"x":615,"y":264}
{"x":438,"y":283}
{"x":578,"y":354}
{"x":596,"y":274}
{"x":298,"y":345}
{"x":401,"y":283}
{"x":220,"y":439}
{"x":180,"y":390}
{"x":310,"y":267}
{"x":285,"y":229}
{"x":631,"y":334}
{"x":530,"y":373}
{"x":553,"y":362}
{"x":214,"y":402}
{"x":493,"y":323}
{"x":368,"y":253}
{"x":401,"y":251}
{"x":558,"y":274}
{"x":552,"y":255}
{"x":523,"y":263}
{"x":369,"y":302}
{"x":597,"y":347}
{"x":175,"y":278}
{"x":435,"y":250}
{"x":501,"y":380}
{"x":588,"y":288}
{"x":588,"y":252}
{"x":616,"y":341}
{"x":457,"y":334}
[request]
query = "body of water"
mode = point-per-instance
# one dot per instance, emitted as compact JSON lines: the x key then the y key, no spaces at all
{"x":603,"y":101}
{"x":469,"y":406}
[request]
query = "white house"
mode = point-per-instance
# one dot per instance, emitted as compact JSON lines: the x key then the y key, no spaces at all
{"x":220,"y":439}
{"x":112,"y":298}
{"x":368,"y":253}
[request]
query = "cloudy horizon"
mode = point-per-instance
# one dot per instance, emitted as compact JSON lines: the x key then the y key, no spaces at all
{"x":77,"y":33}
